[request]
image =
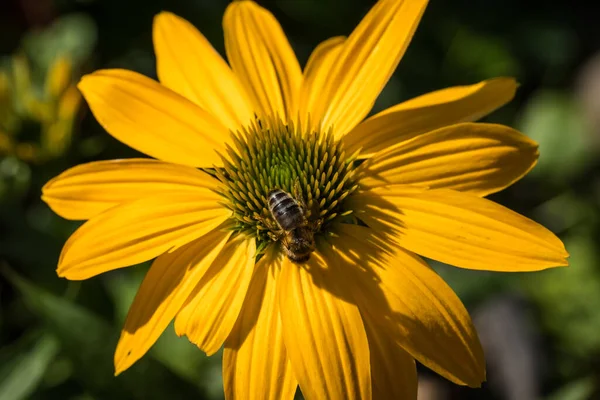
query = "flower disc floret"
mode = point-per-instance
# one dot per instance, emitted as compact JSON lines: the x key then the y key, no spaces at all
{"x":269,"y":154}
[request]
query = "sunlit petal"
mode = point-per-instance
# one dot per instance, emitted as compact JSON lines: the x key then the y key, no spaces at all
{"x":163,"y":292}
{"x":428,"y":112}
{"x":188,"y":64}
{"x":323,"y":333}
{"x":213,"y":307}
{"x":316,"y":73}
{"x":262,"y":58}
{"x":150,"y":118}
{"x":460,"y":229}
{"x":139,"y":231}
{"x":470,"y":157}
{"x":86,"y":190}
{"x":255,"y":362}
{"x":366,"y":62}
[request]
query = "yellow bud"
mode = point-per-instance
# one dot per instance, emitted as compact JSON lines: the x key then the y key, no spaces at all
{"x":58,"y":77}
{"x":69,"y":103}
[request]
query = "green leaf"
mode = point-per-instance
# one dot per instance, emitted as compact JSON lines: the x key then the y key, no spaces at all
{"x":473,"y":287}
{"x":90,"y":342}
{"x":581,"y":389}
{"x":484,"y":56}
{"x":74,"y":35}
{"x":23,"y":372}
{"x":569,"y":298}
{"x":566,"y":211}
{"x":178,"y":354}
{"x":555,"y":121}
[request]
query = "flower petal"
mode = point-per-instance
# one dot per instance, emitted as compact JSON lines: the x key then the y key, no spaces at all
{"x":262,"y":58}
{"x":163,"y":292}
{"x":428,"y":112}
{"x":460,"y":229}
{"x":400,"y":295}
{"x":150,"y":118}
{"x":470,"y":157}
{"x":393,"y":370}
{"x":316,"y":72}
{"x":86,"y":190}
{"x":213,"y":307}
{"x":187,"y":64}
{"x":323,"y":333}
{"x":366,"y":62}
{"x":255,"y":362}
{"x":139,"y":231}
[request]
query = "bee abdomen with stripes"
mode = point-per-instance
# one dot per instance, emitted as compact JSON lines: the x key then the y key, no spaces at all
{"x":298,"y":238}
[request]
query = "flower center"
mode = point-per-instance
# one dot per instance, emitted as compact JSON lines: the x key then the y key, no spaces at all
{"x":311,"y":168}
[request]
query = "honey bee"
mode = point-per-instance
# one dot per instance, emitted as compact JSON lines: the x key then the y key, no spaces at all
{"x":296,"y":232}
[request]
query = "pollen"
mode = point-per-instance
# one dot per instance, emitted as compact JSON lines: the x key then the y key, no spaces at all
{"x":269,"y":154}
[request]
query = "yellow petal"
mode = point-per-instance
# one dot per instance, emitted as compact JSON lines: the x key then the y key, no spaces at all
{"x":470,"y":157}
{"x":323,"y":333}
{"x":402,"y":297}
{"x":139,"y":231}
{"x":255,"y":362}
{"x":316,"y":72}
{"x":428,"y":112}
{"x":213,"y":307}
{"x":86,"y":190}
{"x":187,"y":64}
{"x":460,"y":229}
{"x":163,"y":292}
{"x":150,"y":118}
{"x":393,"y":370}
{"x":262,"y":58}
{"x":366,"y":62}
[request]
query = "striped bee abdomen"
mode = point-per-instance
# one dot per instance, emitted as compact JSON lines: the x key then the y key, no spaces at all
{"x":285,"y":210}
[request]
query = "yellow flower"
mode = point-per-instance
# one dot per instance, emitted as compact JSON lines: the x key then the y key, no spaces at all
{"x":51,"y":104}
{"x":350,"y":321}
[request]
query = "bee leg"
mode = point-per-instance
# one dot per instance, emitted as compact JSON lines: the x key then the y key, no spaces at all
{"x":284,"y":240}
{"x":275,"y":236}
{"x":268,"y":223}
{"x":298,"y":195}
{"x":316,"y":225}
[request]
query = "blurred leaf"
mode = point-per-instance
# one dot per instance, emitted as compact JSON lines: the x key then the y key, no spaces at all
{"x":61,"y":371}
{"x":569,"y":299}
{"x":554,"y":120}
{"x":184,"y":358}
{"x":21,"y":374}
{"x":15,"y":177}
{"x":90,"y":342}
{"x":178,"y":354}
{"x":123,"y":287}
{"x":483,"y":56}
{"x":473,"y":286}
{"x":565,"y":211}
{"x":553,"y":45}
{"x":581,"y":389}
{"x":73,"y":35}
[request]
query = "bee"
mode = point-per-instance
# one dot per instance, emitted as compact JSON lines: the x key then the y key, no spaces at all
{"x":296,"y":232}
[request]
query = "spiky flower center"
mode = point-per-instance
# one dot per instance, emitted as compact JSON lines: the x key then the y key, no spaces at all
{"x":309,"y":165}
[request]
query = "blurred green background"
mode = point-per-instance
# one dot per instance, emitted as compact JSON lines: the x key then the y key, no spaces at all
{"x":541,"y":331}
